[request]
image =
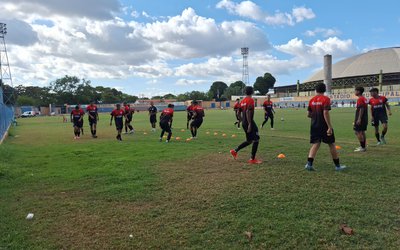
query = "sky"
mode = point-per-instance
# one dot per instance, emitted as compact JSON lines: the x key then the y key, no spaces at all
{"x":154,"y":47}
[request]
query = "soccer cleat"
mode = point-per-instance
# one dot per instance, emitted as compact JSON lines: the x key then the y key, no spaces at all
{"x":360,"y":149}
{"x":254,"y":161}
{"x":309,"y":168}
{"x":383,"y":141}
{"x":340,"y":168}
{"x":126,"y":133}
{"x":160,"y":139}
{"x":379,"y":143}
{"x":234,"y":154}
{"x":167,"y":141}
{"x":132,"y":131}
{"x":272,"y":129}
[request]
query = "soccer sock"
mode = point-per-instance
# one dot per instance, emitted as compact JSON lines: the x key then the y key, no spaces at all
{"x":310,"y":161}
{"x":78,"y":134}
{"x":130,"y":127}
{"x":91,"y":131}
{"x":75,"y":133}
{"x":162,"y":133}
{"x":94,"y":132}
{"x":378,"y":137}
{"x":336,"y":161}
{"x":169,"y":136}
{"x":384,"y":133}
{"x":238,"y":124}
{"x":243,"y":145}
{"x":191,"y":131}
{"x":195,"y":132}
{"x":272,"y":122}
{"x":254,"y":150}
{"x":362,"y":143}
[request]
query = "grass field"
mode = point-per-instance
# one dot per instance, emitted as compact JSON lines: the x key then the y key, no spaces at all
{"x":95,"y":193}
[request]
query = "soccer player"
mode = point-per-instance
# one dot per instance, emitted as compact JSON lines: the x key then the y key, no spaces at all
{"x":81,"y":110}
{"x":153,"y":116}
{"x":361,"y":119}
{"x":189,"y":114}
{"x":128,"y":118}
{"x":118,"y":115}
{"x":379,"y":104}
{"x":166,"y":118}
{"x":77,"y":119}
{"x":236,"y":108}
{"x":269,"y":112}
{"x":321,"y":127}
{"x":93,"y":118}
{"x":250,"y":128}
{"x":198,"y":114}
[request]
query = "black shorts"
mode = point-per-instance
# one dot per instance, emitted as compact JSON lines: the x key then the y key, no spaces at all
{"x":380,"y":118}
{"x":320,"y":135}
{"x":360,"y":128}
{"x":269,"y":115}
{"x":119,"y":124}
{"x":128,"y":118}
{"x":189,"y":117}
{"x":196,"y":123}
{"x":92,"y":121}
{"x":78,"y":124}
{"x":153,"y":118}
{"x":253,"y":135}
{"x":165,"y":126}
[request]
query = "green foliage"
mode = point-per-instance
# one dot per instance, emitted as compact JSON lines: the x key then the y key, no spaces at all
{"x":69,"y":90}
{"x":235,"y":88}
{"x":217,"y":90}
{"x":264,"y":83}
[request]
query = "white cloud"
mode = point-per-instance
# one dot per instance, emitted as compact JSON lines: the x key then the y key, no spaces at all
{"x":312,"y":52}
{"x":249,"y":9}
{"x":322,"y":31}
{"x":186,"y":82}
{"x":303,"y":56}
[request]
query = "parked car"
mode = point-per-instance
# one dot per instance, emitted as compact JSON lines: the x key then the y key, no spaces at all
{"x":28,"y":114}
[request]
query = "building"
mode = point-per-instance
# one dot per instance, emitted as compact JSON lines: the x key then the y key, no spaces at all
{"x":377,"y":68}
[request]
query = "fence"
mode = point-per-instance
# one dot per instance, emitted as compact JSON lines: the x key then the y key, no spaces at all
{"x":6,"y":117}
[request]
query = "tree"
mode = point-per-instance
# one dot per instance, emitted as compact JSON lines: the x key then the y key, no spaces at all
{"x":169,"y":96}
{"x":217,"y":89}
{"x":235,"y":88}
{"x":264,"y":83}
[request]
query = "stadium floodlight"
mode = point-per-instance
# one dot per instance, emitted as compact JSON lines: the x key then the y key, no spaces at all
{"x":245,"y":70}
{"x":245,"y":51}
{"x":3,"y":29}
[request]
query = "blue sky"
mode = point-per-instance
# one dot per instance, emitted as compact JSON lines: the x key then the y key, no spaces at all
{"x":157,"y":47}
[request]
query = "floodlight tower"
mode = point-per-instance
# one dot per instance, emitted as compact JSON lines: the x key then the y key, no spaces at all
{"x":245,"y":74}
{"x":5,"y":71}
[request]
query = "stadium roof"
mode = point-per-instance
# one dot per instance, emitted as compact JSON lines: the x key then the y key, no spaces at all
{"x":370,"y":63}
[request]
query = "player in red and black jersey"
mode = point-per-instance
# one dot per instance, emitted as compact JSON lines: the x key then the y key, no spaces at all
{"x":118,"y":116}
{"x":361,"y":119}
{"x":77,"y":119}
{"x":128,"y":118}
{"x":379,"y":104}
{"x":166,"y":119}
{"x":249,"y":126}
{"x":321,"y":127}
{"x":153,"y":116}
{"x":93,"y":118}
{"x":189,"y":111}
{"x":269,"y":112}
{"x":198,"y":115}
{"x":236,"y":108}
